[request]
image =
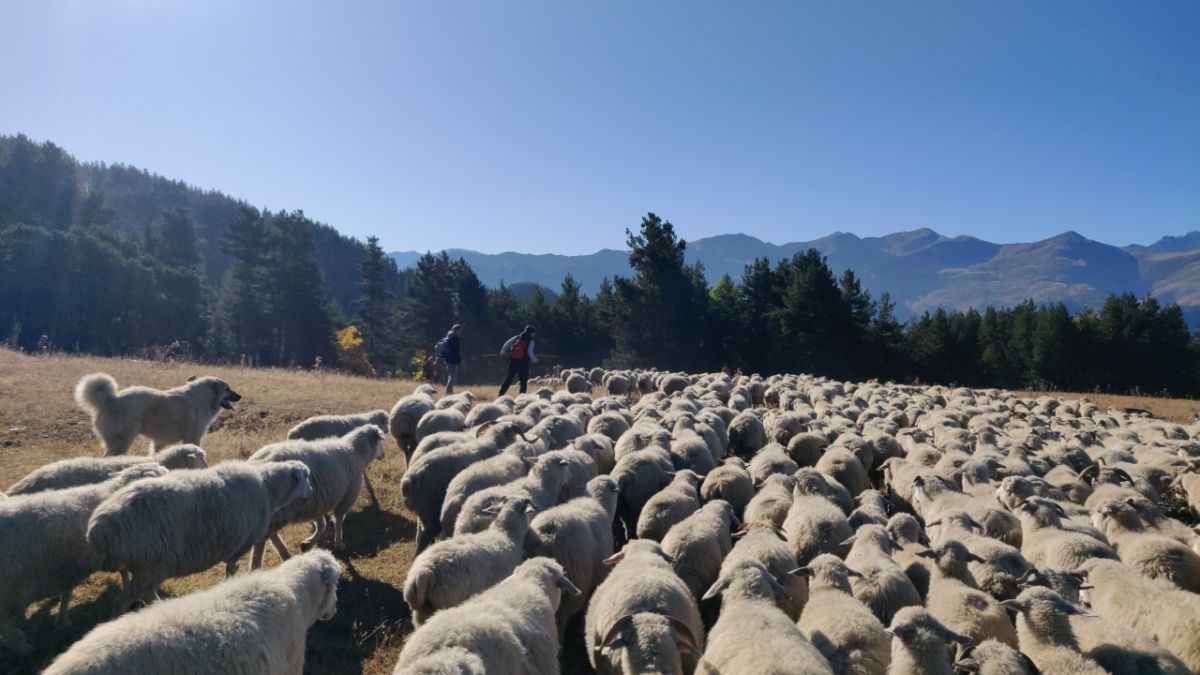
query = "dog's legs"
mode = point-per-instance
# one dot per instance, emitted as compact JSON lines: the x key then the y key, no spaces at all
{"x":117,"y":442}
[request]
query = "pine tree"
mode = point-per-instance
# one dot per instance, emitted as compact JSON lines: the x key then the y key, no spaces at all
{"x":243,"y":321}
{"x":304,"y":328}
{"x":376,"y":311}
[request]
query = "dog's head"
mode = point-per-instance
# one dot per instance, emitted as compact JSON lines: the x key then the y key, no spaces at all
{"x":223,"y":396}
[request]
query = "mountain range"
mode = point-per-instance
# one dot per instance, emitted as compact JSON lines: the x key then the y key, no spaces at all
{"x":922,"y":269}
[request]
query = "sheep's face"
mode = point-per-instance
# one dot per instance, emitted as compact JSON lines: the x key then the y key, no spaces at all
{"x":300,"y":486}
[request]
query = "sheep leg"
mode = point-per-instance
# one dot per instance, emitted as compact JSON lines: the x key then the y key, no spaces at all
{"x":370,"y":490}
{"x":319,"y":527}
{"x":280,"y":547}
{"x":257,"y":556}
{"x":63,"y":602}
{"x":426,"y":533}
{"x":338,"y":520}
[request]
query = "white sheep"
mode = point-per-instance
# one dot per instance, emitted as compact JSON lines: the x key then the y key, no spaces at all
{"x":337,"y":467}
{"x":68,"y":473}
{"x":669,"y":506}
{"x":730,"y":481}
{"x":643,"y":615}
{"x":332,"y":426}
{"x":508,"y":627}
{"x":453,"y":570}
{"x":188,"y":521}
{"x":403,"y":419}
{"x":919,"y":644}
{"x":881,"y":584}
{"x":45,"y":552}
{"x":505,"y":467}
{"x":753,"y":636}
{"x":699,"y":544}
{"x":578,"y":534}
{"x":541,"y":488}
{"x":254,"y":624}
{"x":843,"y":629}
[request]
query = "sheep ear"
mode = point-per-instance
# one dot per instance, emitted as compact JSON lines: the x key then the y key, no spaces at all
{"x":805,"y":571}
{"x":967,"y":666}
{"x":1014,"y":605}
{"x":614,"y":558}
{"x":192,"y":378}
{"x":853,"y":574}
{"x":971,"y":557}
{"x":849,"y":542}
{"x":612,"y":639}
{"x":482,"y":428}
{"x":564,"y":583}
{"x":927,"y":553}
{"x":532,"y":460}
{"x":1089,"y":473}
{"x":683,"y":636}
{"x":715,"y":590}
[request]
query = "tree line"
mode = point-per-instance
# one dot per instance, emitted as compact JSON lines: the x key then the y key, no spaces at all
{"x":197,"y":275}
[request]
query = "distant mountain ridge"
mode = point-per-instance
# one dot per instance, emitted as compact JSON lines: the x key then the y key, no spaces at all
{"x":922,"y":269}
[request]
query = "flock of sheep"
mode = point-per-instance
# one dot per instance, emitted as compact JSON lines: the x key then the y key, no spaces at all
{"x":680,"y":523}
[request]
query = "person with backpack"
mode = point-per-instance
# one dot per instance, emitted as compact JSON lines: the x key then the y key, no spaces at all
{"x":519,"y":350}
{"x":449,"y":351}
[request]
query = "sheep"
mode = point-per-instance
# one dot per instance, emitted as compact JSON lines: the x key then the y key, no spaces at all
{"x":699,"y":543}
{"x":453,"y":570}
{"x":581,"y":469}
{"x":336,"y":469}
{"x":769,"y":460}
{"x":188,"y":521}
{"x":933,"y":497}
{"x":1001,"y":565}
{"x":994,"y":658}
{"x":1044,"y":627}
{"x":689,"y":450}
{"x":643,"y":615}
{"x":805,"y":448}
{"x":1046,"y":544}
{"x":45,"y":553}
{"x":443,"y":419}
{"x":842,"y":465}
{"x":640,"y":474}
{"x":509,"y":627}
{"x":814,"y":526}
{"x":746,"y":435}
{"x":330,"y":426}
{"x":403,"y":419}
{"x":505,"y":467}
{"x":253,"y":625}
{"x":843,"y":629}
{"x":908,"y":535}
{"x":730,"y":481}
{"x":578,"y":534}
{"x":599,"y":448}
{"x":748,"y":599}
{"x":68,"y":473}
{"x":610,"y":424}
{"x":881,"y":584}
{"x":541,"y":488}
{"x":444,"y":661}
{"x":1154,"y":555}
{"x":669,"y":506}
{"x":765,"y":543}
{"x":919,"y":644}
{"x":423,"y":486}
{"x":872,"y":509}
{"x":1120,"y":595}
{"x":814,"y":482}
{"x":772,"y":502}
{"x":484,"y":413}
{"x":1118,"y":649}
{"x":957,"y":602}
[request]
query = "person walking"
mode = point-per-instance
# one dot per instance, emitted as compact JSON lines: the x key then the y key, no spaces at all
{"x":451,"y":354}
{"x":519,"y":350}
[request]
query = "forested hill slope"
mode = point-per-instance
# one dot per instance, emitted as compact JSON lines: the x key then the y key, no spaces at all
{"x":43,"y":186}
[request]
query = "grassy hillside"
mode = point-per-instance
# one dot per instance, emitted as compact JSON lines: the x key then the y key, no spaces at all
{"x":40,"y":423}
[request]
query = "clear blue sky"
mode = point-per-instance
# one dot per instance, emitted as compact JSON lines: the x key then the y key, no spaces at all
{"x":552,"y":126}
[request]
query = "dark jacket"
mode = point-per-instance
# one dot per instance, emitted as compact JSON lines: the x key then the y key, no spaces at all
{"x":453,"y":349}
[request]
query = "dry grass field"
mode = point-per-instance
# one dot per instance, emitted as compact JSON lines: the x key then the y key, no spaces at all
{"x":40,"y":423}
{"x":1179,"y":410}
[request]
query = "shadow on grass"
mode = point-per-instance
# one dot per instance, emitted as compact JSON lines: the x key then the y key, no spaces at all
{"x":370,"y":530}
{"x":371,"y":614}
{"x":49,"y":639}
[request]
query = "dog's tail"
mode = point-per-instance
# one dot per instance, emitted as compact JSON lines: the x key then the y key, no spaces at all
{"x":95,"y":392}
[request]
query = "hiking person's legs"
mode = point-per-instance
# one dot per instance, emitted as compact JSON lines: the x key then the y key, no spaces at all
{"x":523,"y":373}
{"x":451,"y":377}
{"x":512,"y":372}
